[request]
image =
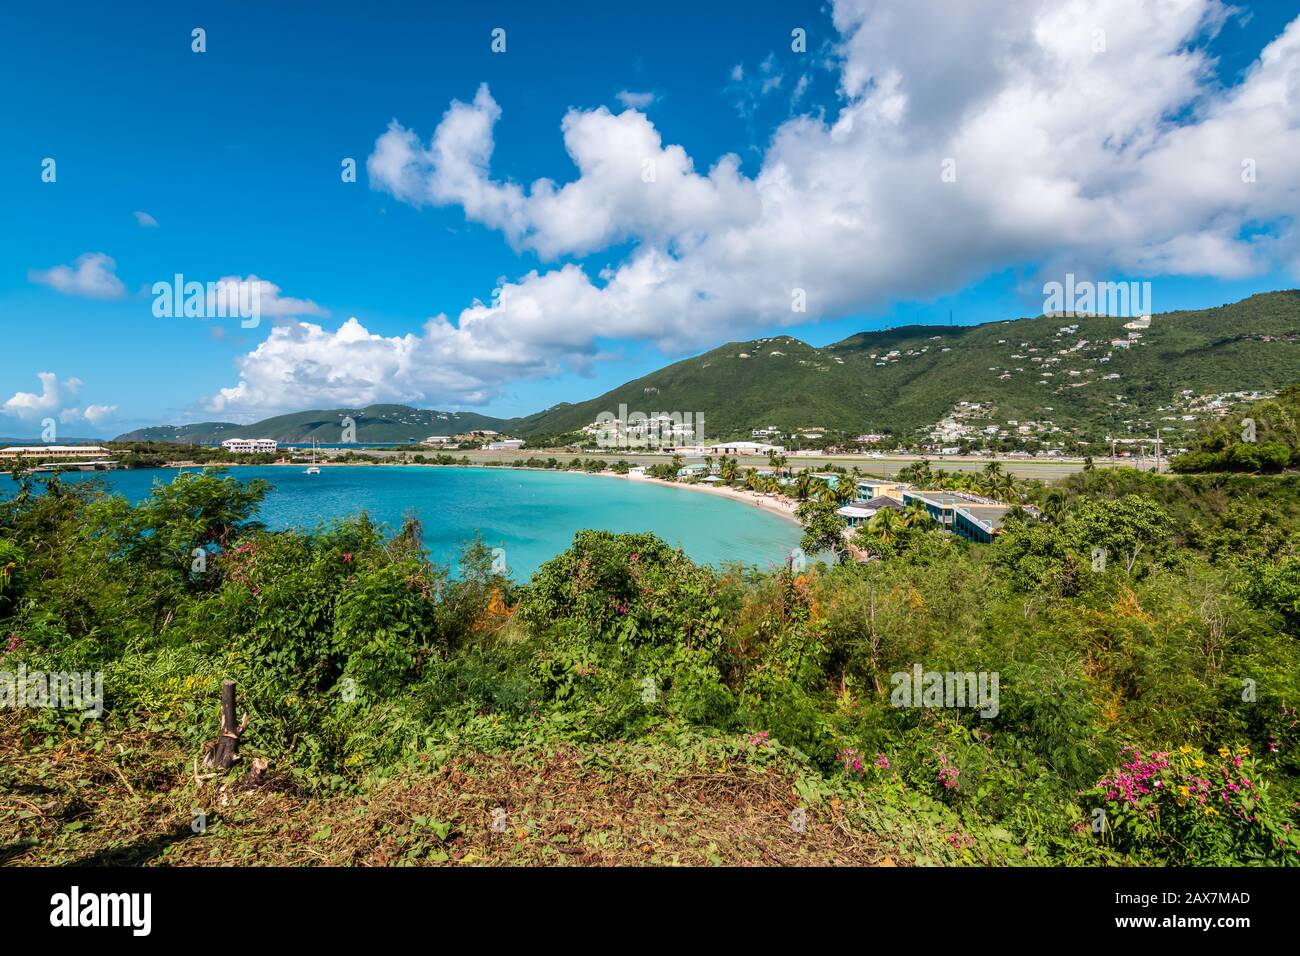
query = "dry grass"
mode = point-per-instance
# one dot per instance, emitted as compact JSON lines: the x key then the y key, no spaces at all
{"x":131,"y":802}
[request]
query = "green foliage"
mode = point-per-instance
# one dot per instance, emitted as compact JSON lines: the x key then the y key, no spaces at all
{"x":1190,"y":808}
{"x":823,"y":528}
{"x":1264,"y":438}
{"x":354,"y":653}
{"x":745,"y":385}
{"x":1276,"y":587}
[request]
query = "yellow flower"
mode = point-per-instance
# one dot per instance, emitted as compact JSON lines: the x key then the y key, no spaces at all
{"x":1243,"y":750}
{"x":1185,"y":791}
{"x":1184,"y":749}
{"x":1210,"y":811}
{"x":1200,"y":762}
{"x":1224,"y":752}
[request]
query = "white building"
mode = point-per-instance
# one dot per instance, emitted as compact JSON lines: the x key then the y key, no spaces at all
{"x":48,"y":452}
{"x":855,"y":515}
{"x":510,"y":444}
{"x":250,"y":446}
{"x":439,"y":441}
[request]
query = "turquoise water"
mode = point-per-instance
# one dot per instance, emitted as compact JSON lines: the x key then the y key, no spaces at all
{"x":532,"y":514}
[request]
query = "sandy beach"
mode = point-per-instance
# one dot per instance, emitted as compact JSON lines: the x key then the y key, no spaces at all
{"x":777,"y":506}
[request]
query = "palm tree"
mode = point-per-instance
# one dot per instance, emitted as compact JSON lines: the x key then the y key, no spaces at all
{"x":751,"y":479}
{"x":1005,"y":488}
{"x":1016,"y":513}
{"x":1054,"y":506}
{"x":844,"y":491}
{"x":728,"y":469}
{"x":915,"y":515}
{"x":804,"y":485}
{"x":822,"y":489}
{"x":886,"y":524}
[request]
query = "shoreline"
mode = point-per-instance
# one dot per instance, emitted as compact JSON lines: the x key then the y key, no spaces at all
{"x":781,"y":507}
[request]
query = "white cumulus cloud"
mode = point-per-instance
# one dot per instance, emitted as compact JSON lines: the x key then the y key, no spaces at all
{"x":92,"y":275}
{"x":53,"y":396}
{"x":1089,"y":136}
{"x":271,"y":304}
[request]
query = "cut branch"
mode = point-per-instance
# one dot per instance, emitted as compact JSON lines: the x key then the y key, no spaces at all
{"x":224,"y":751}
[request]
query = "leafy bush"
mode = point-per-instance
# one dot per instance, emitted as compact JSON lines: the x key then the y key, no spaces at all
{"x":354,"y":654}
{"x":1189,"y":808}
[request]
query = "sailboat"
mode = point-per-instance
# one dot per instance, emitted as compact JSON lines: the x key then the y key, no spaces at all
{"x":313,"y":470}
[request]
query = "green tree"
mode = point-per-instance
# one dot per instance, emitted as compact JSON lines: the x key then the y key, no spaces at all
{"x":1125,"y":527}
{"x":1275,"y":586}
{"x":915,"y":515}
{"x":804,"y":485}
{"x":823,"y":529}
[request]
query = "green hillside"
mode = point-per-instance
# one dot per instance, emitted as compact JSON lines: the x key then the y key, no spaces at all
{"x":743,"y":385}
{"x":374,"y":423}
{"x":903,"y":379}
{"x":1062,"y":375}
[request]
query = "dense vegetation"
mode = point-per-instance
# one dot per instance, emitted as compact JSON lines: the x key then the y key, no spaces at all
{"x":1147,"y":708}
{"x":782,"y":381}
{"x":1262,"y":437}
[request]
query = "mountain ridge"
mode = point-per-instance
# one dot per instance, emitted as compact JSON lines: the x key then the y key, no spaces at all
{"x":1086,"y":374}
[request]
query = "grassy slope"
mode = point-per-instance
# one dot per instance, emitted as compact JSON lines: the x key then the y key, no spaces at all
{"x":671,"y":800}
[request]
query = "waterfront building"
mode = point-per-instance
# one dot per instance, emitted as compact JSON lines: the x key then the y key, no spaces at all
{"x":53,"y":452}
{"x":251,"y":446}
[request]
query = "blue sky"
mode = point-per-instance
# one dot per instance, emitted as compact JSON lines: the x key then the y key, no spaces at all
{"x":235,"y":154}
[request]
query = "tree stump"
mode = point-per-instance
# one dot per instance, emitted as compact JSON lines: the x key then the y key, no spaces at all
{"x":224,"y":751}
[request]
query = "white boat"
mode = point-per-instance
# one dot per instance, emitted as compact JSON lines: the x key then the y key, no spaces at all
{"x":313,"y":470}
